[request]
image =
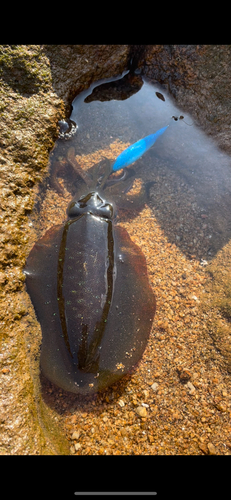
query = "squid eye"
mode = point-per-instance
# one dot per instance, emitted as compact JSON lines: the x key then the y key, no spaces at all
{"x":74,"y":210}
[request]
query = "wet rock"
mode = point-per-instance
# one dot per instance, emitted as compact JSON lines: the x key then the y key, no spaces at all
{"x":121,"y":403}
{"x":198,"y":76}
{"x":191,"y":388}
{"x":203,"y":447}
{"x":75,"y":67}
{"x":75,"y":435}
{"x":212,"y":449}
{"x":145,"y":393}
{"x":221,"y":407}
{"x":141,"y":411}
{"x":37,"y":84}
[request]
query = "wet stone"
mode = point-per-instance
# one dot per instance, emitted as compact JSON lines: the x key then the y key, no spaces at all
{"x":141,"y":411}
{"x":212,"y":449}
{"x":75,"y":435}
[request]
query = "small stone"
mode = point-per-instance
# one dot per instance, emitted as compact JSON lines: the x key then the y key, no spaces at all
{"x":191,"y":388}
{"x":212,"y":449}
{"x":72,"y":450}
{"x":146,"y":393}
{"x":77,"y":446}
{"x":141,"y":411}
{"x":75,"y":435}
{"x":175,"y":415}
{"x":5,"y":370}
{"x":105,"y":419}
{"x":184,"y":375}
{"x":154,"y":386}
{"x":194,"y":297}
{"x":221,"y":407}
{"x":121,"y":403}
{"x":203,"y":448}
{"x":73,"y":419}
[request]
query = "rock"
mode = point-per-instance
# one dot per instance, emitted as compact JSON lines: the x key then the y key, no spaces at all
{"x":154,"y":386}
{"x":221,"y":407}
{"x":74,"y":67}
{"x":75,"y":435}
{"x":78,"y":446}
{"x":184,"y":375}
{"x":141,"y":411}
{"x":212,"y":449}
{"x":121,"y":403}
{"x":191,"y":77}
{"x":191,"y":388}
{"x":29,"y":126}
{"x":203,"y":448}
{"x":146,"y":394}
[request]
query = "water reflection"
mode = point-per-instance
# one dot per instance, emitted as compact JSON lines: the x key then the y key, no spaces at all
{"x":191,"y":194}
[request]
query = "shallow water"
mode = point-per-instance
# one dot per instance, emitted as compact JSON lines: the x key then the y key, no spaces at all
{"x":184,"y":156}
{"x":185,"y":224}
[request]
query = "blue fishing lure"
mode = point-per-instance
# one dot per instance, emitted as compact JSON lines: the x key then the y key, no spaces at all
{"x":136,"y":150}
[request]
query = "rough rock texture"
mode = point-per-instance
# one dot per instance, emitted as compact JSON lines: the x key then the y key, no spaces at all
{"x":30,"y":110}
{"x":198,"y":76}
{"x":75,"y":67}
{"x":37,"y":86}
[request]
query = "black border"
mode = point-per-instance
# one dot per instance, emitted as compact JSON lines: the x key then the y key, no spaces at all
{"x":59,"y":477}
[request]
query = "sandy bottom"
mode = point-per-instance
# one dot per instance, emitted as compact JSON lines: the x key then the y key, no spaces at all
{"x":178,"y":400}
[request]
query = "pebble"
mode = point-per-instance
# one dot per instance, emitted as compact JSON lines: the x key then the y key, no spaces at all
{"x":141,"y":411}
{"x":5,"y":370}
{"x":121,"y":403}
{"x":221,"y":407}
{"x":212,"y":449}
{"x":154,"y":386}
{"x":146,"y":394}
{"x":203,"y":448}
{"x":191,"y":388}
{"x":77,"y":446}
{"x":75,"y":435}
